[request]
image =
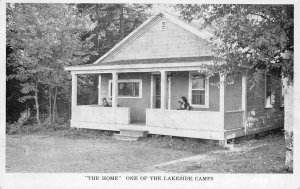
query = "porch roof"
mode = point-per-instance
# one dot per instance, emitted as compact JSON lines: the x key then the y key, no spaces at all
{"x":144,"y":64}
{"x":158,"y":60}
{"x":150,"y":61}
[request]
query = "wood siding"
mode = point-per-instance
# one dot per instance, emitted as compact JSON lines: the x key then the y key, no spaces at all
{"x":137,"y":105}
{"x":97,"y":114}
{"x":184,"y":119}
{"x":180,"y":87}
{"x":233,"y":95}
{"x":260,"y":118}
{"x":156,"y":43}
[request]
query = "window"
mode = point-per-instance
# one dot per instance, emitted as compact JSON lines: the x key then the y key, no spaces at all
{"x":128,"y":88}
{"x":163,"y":25}
{"x":198,"y":90}
{"x":269,"y":92}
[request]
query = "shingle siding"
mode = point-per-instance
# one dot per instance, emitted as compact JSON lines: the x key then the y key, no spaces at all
{"x":233,"y":95}
{"x":156,"y":43}
{"x":259,"y":117}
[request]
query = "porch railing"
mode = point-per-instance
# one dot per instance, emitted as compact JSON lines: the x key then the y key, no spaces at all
{"x":99,"y":114}
{"x":184,"y":119}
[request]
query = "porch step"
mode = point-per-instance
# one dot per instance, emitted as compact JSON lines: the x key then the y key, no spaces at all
{"x":131,"y":135}
{"x":134,"y":132}
{"x":126,"y":137}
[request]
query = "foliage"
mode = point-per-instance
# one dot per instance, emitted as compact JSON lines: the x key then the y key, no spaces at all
{"x":16,"y":127}
{"x":45,"y":38}
{"x":256,"y":36}
{"x":114,"y":22}
{"x":13,"y":93}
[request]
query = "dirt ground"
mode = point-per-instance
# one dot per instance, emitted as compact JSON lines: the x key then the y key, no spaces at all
{"x":45,"y":152}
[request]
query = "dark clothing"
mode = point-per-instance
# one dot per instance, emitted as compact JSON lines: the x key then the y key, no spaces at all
{"x":187,"y":106}
{"x":184,"y":106}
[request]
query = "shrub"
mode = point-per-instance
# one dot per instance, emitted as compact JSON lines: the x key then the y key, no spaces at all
{"x":17,"y":126}
{"x":12,"y":129}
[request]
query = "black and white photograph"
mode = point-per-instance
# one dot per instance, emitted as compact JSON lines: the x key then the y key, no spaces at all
{"x":146,"y":94}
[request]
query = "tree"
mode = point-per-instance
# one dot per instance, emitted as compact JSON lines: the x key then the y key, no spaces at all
{"x":113,"y":23}
{"x":257,"y":36}
{"x":45,"y":38}
{"x":13,"y":93}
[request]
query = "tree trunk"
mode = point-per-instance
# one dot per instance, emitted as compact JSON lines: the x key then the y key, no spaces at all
{"x":50,"y":105}
{"x":98,"y":31}
{"x":121,"y":22}
{"x":54,"y":106}
{"x":288,"y":124}
{"x":37,"y":105}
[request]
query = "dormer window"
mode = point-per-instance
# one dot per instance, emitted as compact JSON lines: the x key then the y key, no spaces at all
{"x":164,"y":25}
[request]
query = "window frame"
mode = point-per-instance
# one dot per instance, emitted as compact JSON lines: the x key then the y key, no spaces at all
{"x":127,"y":81}
{"x":206,"y":105}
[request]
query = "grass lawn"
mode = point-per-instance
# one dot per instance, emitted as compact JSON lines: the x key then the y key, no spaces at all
{"x":74,"y":150}
{"x":261,"y":155}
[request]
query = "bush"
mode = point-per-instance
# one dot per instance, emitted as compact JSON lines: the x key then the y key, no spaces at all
{"x":24,"y":125}
{"x":12,"y":129}
{"x":16,"y":127}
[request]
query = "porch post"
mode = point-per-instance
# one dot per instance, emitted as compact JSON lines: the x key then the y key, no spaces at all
{"x":74,"y":90}
{"x":169,"y":92}
{"x":222,"y":98}
{"x":114,"y":89}
{"x":244,"y":99}
{"x":163,"y":90}
{"x":99,"y":90}
{"x":152,"y":92}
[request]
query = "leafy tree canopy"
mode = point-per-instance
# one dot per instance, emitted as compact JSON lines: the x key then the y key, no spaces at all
{"x":45,"y":38}
{"x":114,"y":22}
{"x":257,"y":36}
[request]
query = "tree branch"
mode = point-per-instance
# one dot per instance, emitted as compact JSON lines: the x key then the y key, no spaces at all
{"x":262,"y":16}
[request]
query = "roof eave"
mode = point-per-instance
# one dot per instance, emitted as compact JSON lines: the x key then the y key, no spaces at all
{"x":136,"y":66}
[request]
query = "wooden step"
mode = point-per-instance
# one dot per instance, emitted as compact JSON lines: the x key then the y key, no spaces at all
{"x":134,"y":132}
{"x":126,"y":137}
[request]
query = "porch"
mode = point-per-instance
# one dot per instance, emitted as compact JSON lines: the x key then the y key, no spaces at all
{"x":195,"y":124}
{"x":210,"y":120}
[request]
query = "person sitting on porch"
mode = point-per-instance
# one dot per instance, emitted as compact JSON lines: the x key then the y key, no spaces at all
{"x":105,"y":103}
{"x":183,"y":104}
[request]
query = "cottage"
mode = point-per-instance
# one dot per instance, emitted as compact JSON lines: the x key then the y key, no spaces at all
{"x":148,"y":71}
